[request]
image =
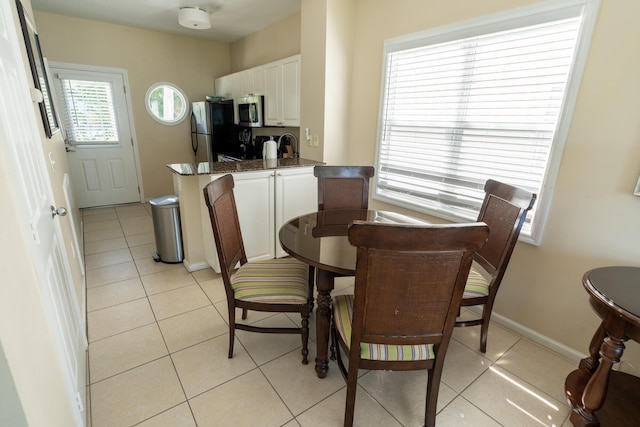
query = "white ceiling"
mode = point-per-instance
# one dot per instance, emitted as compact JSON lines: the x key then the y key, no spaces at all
{"x":230,"y":19}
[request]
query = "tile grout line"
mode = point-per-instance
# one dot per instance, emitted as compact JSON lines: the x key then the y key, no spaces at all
{"x":238,"y":341}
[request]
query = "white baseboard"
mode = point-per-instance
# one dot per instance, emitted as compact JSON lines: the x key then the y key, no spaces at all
{"x":195,"y":266}
{"x":534,"y":336}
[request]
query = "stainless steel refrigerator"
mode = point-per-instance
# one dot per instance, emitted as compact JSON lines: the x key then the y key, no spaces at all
{"x":213,"y":133}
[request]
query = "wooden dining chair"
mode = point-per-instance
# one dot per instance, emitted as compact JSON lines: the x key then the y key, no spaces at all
{"x":275,"y":285}
{"x":343,"y":187}
{"x":504,"y":210}
{"x":408,"y":286}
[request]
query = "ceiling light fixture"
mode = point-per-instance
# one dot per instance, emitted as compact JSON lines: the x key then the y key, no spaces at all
{"x":194,"y":17}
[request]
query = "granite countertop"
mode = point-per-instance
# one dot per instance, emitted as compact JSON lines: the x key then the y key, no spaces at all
{"x":206,"y":168}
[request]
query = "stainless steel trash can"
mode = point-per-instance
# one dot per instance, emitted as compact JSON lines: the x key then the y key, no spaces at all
{"x":165,"y":212}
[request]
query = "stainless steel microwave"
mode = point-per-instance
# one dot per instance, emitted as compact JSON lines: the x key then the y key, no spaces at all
{"x":251,"y":111}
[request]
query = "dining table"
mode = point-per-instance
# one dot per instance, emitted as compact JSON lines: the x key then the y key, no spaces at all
{"x":598,"y":394}
{"x":320,"y":240}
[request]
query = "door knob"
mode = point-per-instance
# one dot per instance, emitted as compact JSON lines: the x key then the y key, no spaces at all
{"x":59,"y":211}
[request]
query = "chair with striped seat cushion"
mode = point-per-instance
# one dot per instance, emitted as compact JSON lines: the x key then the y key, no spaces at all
{"x":477,"y":285}
{"x":343,"y":315}
{"x":276,"y":285}
{"x":278,"y":281}
{"x":408,"y":287}
{"x":504,"y":210}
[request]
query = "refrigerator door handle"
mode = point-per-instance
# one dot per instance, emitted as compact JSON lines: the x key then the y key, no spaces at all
{"x":194,"y":137}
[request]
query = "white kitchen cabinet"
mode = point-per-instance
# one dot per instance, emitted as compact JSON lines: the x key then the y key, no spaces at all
{"x":278,"y":81}
{"x":244,"y":79}
{"x":282,"y":92}
{"x":265,"y":200}
{"x":272,"y":94}
{"x":242,"y":83}
{"x":257,"y":80}
{"x":291,"y":91}
{"x":254,"y":194}
{"x":296,"y":194}
{"x":226,"y":86}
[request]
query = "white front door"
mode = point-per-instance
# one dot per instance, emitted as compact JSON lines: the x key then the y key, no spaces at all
{"x":95,"y":113}
{"x":20,"y":141}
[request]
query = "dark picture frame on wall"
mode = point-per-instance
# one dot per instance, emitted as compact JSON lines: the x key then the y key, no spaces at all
{"x":39,"y":72}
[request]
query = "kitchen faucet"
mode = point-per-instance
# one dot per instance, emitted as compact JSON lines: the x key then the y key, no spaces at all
{"x":295,"y":148}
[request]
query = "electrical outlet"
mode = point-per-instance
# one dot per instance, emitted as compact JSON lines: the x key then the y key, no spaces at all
{"x":315,"y":140}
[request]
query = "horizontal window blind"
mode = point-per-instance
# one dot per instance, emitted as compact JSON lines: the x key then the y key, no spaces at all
{"x":89,"y":113}
{"x":457,"y":113}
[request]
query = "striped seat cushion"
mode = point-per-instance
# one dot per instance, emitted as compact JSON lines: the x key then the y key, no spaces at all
{"x":477,"y":285}
{"x":274,"y":281}
{"x":343,"y":313}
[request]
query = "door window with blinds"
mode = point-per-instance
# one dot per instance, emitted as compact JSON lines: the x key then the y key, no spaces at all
{"x":89,"y":115}
{"x":488,"y":98}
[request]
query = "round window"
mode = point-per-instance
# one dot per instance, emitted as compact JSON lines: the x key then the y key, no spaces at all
{"x":166,"y":103}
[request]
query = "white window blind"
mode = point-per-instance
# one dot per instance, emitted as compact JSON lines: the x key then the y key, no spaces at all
{"x":458,"y":112}
{"x":89,"y":113}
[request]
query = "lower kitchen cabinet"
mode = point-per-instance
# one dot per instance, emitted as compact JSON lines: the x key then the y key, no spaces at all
{"x":296,"y":194}
{"x":265,"y":200}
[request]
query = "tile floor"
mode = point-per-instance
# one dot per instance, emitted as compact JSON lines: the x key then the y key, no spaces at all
{"x":158,"y":355}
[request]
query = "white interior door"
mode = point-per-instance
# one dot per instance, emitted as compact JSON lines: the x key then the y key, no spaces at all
{"x":21,"y":144}
{"x":95,"y":114}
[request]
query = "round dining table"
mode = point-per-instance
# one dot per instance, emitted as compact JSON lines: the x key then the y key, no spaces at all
{"x":319,"y":239}
{"x":598,"y":394}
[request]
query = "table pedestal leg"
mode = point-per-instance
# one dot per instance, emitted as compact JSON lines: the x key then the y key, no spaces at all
{"x":323,"y":320}
{"x":594,"y":392}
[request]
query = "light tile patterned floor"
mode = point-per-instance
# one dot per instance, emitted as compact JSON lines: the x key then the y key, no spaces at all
{"x":158,"y":343}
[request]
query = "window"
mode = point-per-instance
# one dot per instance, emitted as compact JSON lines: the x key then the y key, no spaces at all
{"x":166,"y":103}
{"x":88,"y":111}
{"x":489,"y":98}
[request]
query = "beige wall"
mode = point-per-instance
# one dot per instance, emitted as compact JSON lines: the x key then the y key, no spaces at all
{"x":312,"y":92}
{"x":339,"y":57}
{"x":148,"y":57}
{"x":272,"y":43}
{"x":592,"y":221}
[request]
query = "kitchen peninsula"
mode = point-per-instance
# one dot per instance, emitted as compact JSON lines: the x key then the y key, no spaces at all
{"x":268,"y":193}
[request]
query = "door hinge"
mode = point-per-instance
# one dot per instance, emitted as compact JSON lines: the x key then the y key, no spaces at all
{"x":124,"y":88}
{"x":79,"y":402}
{"x":132,"y":142}
{"x":34,"y":232}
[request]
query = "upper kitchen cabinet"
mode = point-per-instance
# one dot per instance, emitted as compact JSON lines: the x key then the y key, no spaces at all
{"x":242,"y":83}
{"x":278,"y":81}
{"x":282,"y":92}
{"x":226,"y":86}
{"x":257,"y":80}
